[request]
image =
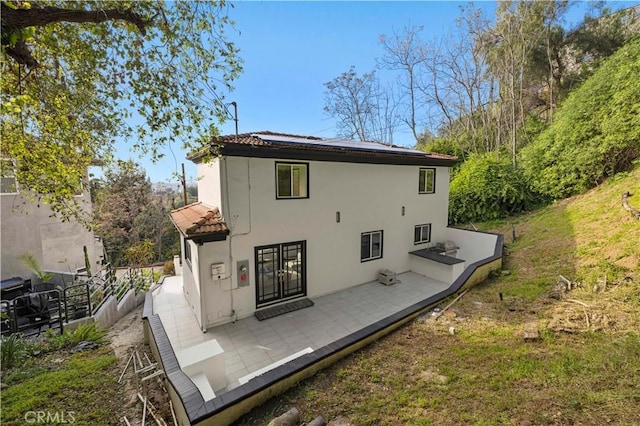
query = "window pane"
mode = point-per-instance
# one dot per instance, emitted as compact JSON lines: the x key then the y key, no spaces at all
{"x":365,"y":245}
{"x":8,"y":185}
{"x":8,"y":182}
{"x":284,"y":180}
{"x":300,"y":180}
{"x":422,"y":180}
{"x":430,"y":176}
{"x":417,"y":235}
{"x":376,"y":244}
{"x":426,"y":233}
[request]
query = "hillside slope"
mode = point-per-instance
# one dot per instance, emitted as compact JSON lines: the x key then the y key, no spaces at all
{"x":473,"y":366}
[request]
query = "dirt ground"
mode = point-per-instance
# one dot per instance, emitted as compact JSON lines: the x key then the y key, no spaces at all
{"x":127,"y":338}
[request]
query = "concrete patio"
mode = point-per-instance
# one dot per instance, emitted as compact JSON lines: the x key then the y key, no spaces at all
{"x":251,"y":345}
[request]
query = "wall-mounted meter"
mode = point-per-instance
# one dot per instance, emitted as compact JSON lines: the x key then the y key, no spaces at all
{"x":243,"y":273}
{"x":217,"y":271}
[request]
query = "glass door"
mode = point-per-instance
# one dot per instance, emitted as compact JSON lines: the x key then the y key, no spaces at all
{"x":280,"y":272}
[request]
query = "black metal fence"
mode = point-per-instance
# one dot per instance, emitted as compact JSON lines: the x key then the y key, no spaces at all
{"x":31,"y":309}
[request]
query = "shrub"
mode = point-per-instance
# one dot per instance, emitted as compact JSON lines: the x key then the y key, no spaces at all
{"x":168,"y":268}
{"x":13,"y":349}
{"x":486,"y":187}
{"x":595,"y":133}
{"x":88,"y":332}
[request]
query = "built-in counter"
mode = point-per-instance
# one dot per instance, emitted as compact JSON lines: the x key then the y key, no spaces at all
{"x":432,"y":264}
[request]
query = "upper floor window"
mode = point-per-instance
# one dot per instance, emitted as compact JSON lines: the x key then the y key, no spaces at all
{"x":422,"y":234}
{"x":370,"y":246}
{"x":8,"y":184}
{"x":427,"y":181}
{"x":292,"y":180}
{"x":187,"y":251}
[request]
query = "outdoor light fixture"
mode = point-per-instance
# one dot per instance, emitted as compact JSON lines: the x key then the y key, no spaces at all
{"x":337,"y":217}
{"x":402,"y":210}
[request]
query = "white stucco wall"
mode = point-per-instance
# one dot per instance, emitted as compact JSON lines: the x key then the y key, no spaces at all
{"x":436,"y":270}
{"x":473,"y":245}
{"x":27,"y":228}
{"x":209,"y":189}
{"x":369,"y":197}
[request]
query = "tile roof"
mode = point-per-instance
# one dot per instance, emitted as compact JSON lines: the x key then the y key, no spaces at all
{"x":274,"y":140}
{"x":199,"y":219}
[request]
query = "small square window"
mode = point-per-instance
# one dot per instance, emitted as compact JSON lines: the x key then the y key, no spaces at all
{"x":422,"y":234}
{"x":370,"y":246}
{"x":8,"y":183}
{"x":427,"y":181}
{"x":292,"y":180}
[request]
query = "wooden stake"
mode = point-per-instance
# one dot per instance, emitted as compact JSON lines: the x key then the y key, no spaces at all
{"x":173,"y":413}
{"x":450,"y":304}
{"x":566,"y":282}
{"x":578,"y":302}
{"x":125,"y":368}
{"x":144,"y":408}
{"x":139,"y":359}
{"x":586,"y":316}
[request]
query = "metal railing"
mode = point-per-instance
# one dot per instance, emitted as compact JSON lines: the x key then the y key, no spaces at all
{"x":33,"y":313}
{"x":48,"y":306}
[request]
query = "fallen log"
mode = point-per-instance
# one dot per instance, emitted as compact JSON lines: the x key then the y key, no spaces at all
{"x":625,"y":204}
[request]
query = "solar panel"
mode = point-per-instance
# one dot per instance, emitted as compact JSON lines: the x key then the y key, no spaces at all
{"x":340,"y":143}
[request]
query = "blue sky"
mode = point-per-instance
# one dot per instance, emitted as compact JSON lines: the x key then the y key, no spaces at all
{"x":290,"y":49}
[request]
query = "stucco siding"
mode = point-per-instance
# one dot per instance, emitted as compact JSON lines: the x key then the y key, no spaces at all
{"x":57,"y":245}
{"x":209,"y":184}
{"x":369,"y":197}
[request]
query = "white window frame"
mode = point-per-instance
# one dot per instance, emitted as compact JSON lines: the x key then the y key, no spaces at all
{"x":370,"y":234}
{"x":302,"y":186}
{"x":423,"y":189}
{"x":422,"y":228}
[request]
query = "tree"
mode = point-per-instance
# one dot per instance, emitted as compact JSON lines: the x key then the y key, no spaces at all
{"x":363,"y":109}
{"x":596,"y":132}
{"x":405,"y":52}
{"x":76,"y":75}
{"x":129,"y":213}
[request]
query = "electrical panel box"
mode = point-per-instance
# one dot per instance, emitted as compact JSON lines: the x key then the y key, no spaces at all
{"x":217,"y":271}
{"x":243,"y":273}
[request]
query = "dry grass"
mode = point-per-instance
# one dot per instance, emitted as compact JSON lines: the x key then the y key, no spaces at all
{"x":485,"y":373}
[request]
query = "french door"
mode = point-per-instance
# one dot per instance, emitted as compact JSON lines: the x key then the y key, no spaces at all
{"x":280,"y":272}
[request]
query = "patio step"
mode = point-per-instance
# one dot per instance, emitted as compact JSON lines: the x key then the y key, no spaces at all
{"x":245,"y":379}
{"x":274,"y":311}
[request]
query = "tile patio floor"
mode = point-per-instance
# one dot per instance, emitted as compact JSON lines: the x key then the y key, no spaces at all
{"x":250,"y":345}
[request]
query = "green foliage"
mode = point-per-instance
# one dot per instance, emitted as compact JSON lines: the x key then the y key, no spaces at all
{"x":70,"y":387}
{"x":133,"y":219}
{"x":140,"y":253}
{"x":13,"y":349}
{"x":87,"y":262}
{"x":487,"y":187}
{"x":88,"y":332}
{"x":30,"y":261}
{"x":69,"y":89}
{"x":595,"y":134}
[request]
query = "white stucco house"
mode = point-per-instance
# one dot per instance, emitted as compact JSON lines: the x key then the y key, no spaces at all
{"x":282,"y":217}
{"x":28,"y":227}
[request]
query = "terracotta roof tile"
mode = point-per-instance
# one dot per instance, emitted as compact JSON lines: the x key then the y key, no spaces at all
{"x":199,"y":219}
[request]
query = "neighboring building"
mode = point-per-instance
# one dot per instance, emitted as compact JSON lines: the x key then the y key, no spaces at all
{"x":30,"y":228}
{"x":282,"y":217}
